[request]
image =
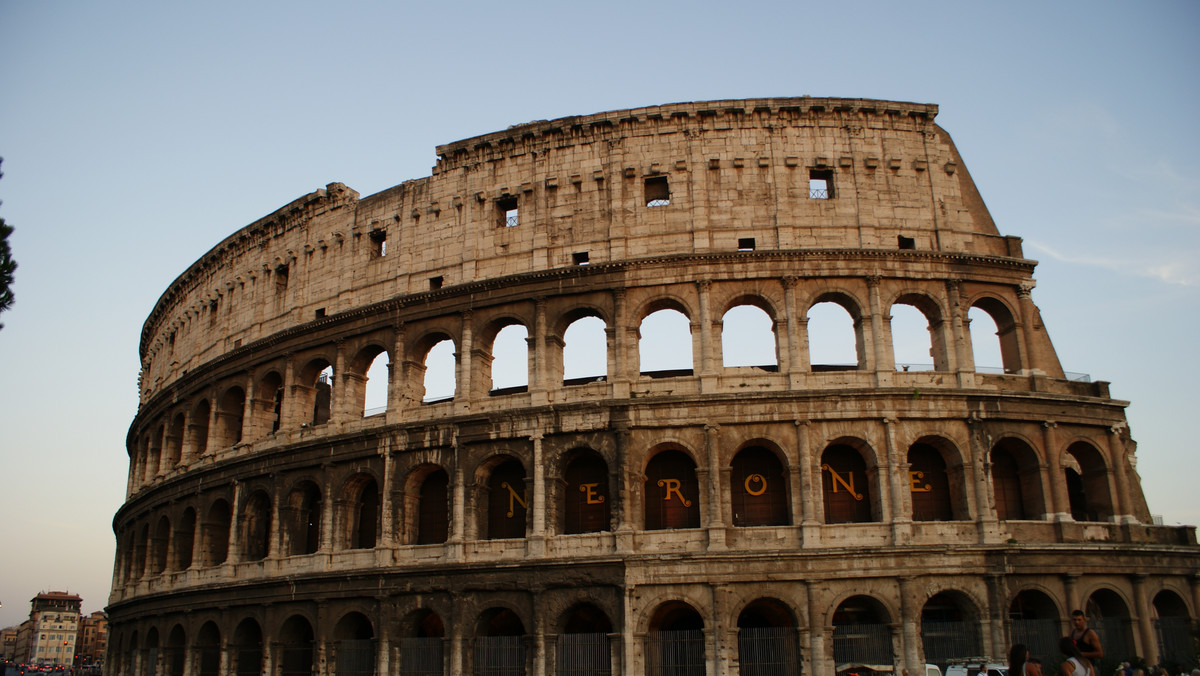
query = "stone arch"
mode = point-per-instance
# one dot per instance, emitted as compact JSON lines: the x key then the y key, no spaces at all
{"x":256,"y":526}
{"x":130,"y":554}
{"x":758,"y":486}
{"x":936,"y":480}
{"x":583,"y":644}
{"x":675,"y":640}
{"x":215,"y":533}
{"x":247,"y":648}
{"x":197,"y":433}
{"x":313,"y":393}
{"x":935,"y":340}
{"x":1087,"y":477}
{"x":505,"y":499}
{"x":500,"y":645}
{"x":850,"y":482}
{"x":767,"y":638}
{"x":1034,"y":620}
{"x":665,"y":347}
{"x":369,"y":363}
{"x":1173,"y":629}
{"x":823,"y":356}
{"x":160,"y":543}
{"x":671,"y":490}
{"x":950,"y":622}
{"x":586,"y":493}
{"x":173,"y":441}
{"x":175,"y":651}
{"x":231,"y":408}
{"x":150,"y":646}
{"x":208,"y":649}
{"x":184,"y":537}
{"x":296,"y":647}
{"x":861,"y":634}
{"x":748,"y":335}
{"x":301,"y":518}
{"x":1006,"y":330}
{"x":422,"y":635}
{"x":354,"y":645}
{"x":581,"y":332}
{"x":500,"y":338}
{"x":426,"y":505}
{"x":268,"y":403}
{"x":1107,"y":612}
{"x":360,"y":511}
{"x":434,"y":362}
{"x":1016,"y":480}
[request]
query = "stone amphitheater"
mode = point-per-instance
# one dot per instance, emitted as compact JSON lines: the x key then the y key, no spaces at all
{"x":704,"y":509}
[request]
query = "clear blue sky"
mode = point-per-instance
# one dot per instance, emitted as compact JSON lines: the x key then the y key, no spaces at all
{"x":136,"y":135}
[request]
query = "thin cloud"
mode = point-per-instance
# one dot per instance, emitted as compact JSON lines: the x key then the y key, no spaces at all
{"x":1181,"y":272}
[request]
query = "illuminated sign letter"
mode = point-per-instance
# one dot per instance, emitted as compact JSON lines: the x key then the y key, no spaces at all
{"x":915,"y":481}
{"x":836,"y":479}
{"x":756,"y":479}
{"x":513,"y":497}
{"x":589,"y":494}
{"x":672,"y":486}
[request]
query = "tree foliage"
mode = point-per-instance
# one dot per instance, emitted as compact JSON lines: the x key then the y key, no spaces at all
{"x":7,"y":266}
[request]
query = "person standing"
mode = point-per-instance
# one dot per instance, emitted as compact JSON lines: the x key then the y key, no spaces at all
{"x":1076,"y":664}
{"x":1085,"y":638}
{"x":1020,"y":663}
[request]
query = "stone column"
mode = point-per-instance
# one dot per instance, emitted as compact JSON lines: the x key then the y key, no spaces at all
{"x":959,"y":352}
{"x":724,"y":633}
{"x":818,"y":660}
{"x":397,"y":397}
{"x":210,"y":443}
{"x":1025,"y":329}
{"x":1122,"y":502}
{"x":338,"y":401}
{"x":382,"y":640}
{"x":623,"y":364}
{"x":458,"y":510}
{"x":708,"y":346}
{"x":881,"y":360}
{"x":1142,"y":612}
{"x":804,"y":485}
{"x":458,"y":641}
{"x":234,"y":554}
{"x":716,"y":515}
{"x":536,"y":544}
{"x":625,"y":488}
{"x":986,"y":518}
{"x":275,"y":544}
{"x":197,"y":542}
{"x":290,"y":414}
{"x":901,"y":498}
{"x":996,"y":612}
{"x":327,"y":500}
{"x":387,"y":511}
{"x":250,"y":417}
{"x":1058,"y":482}
{"x":1071,"y":594}
{"x":539,"y":355}
{"x":910,"y":620}
{"x":462,"y":381}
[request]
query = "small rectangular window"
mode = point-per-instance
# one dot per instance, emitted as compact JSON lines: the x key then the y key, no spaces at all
{"x":820,"y":184}
{"x":658,"y":191}
{"x":506,"y":209}
{"x":378,"y":243}
{"x":320,"y":312}
{"x":745,"y":244}
{"x":906,"y":242}
{"x":580,"y":257}
{"x":435,"y":283}
{"x":281,"y":278}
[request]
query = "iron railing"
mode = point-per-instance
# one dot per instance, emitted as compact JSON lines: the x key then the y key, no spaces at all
{"x":500,"y":656}
{"x":584,"y":655}
{"x":1040,"y":636}
{"x":675,"y":653}
{"x":1176,"y":641}
{"x":769,"y":651}
{"x":421,"y":657}
{"x":862,"y":643}
{"x":951,"y":641}
{"x":356,"y":658}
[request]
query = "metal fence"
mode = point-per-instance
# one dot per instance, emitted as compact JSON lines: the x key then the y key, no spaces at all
{"x":249,"y":661}
{"x":296,"y":661}
{"x":769,"y":651}
{"x":862,"y":643}
{"x":500,"y":656}
{"x":210,"y":661}
{"x":1176,"y":641}
{"x":1040,"y":636}
{"x":584,"y":655}
{"x":356,"y":658}
{"x":421,"y":657}
{"x":947,"y":642}
{"x":675,"y":653}
{"x":1116,"y":635}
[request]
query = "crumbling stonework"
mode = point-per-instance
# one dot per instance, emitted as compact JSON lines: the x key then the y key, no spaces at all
{"x":698,"y":520}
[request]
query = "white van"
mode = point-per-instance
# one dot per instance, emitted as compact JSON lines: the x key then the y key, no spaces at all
{"x":977,"y":669}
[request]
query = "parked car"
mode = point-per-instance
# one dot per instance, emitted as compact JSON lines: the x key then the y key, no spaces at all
{"x":977,"y":669}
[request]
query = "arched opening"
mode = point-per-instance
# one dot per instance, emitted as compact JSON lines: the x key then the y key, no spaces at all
{"x":835,"y":340}
{"x":748,"y":338}
{"x":354,"y":646}
{"x":1033,"y":620}
{"x":507,"y":501}
{"x":665,"y":344}
{"x":173,"y":442}
{"x":422,"y":644}
{"x":247,"y":649}
{"x":672,"y":492}
{"x":185,"y":538}
{"x":768,"y":643}
{"x":360,"y":516}
{"x":150,"y":666}
{"x":141,"y":549}
{"x":586,"y":507}
{"x":130,"y":561}
{"x":845,"y":486}
{"x":583,"y":643}
{"x":375,"y":390}
{"x":433,"y":508}
{"x":175,"y":651}
{"x":1108,"y":614}
{"x":993,"y":336}
{"x":440,"y":372}
{"x":198,"y":429}
{"x":917,"y":340}
{"x":215,"y":534}
{"x":929,"y":484}
{"x":500,"y":644}
{"x":675,"y":642}
{"x":296,"y":647}
{"x":268,"y":403}
{"x":1016,"y":481}
{"x":322,"y":408}
{"x":860,"y":633}
{"x":230,"y":411}
{"x":159,"y":545}
{"x":208,"y":649}
{"x":759,"y":488}
{"x":154,"y":464}
{"x":256,"y":527}
{"x":1173,"y":629}
{"x":950,"y":629}
{"x":1087,"y":483}
{"x":510,"y":360}
{"x":302,"y":520}
{"x":585,"y":351}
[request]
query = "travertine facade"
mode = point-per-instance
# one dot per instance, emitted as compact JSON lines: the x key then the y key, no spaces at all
{"x":629,"y":519}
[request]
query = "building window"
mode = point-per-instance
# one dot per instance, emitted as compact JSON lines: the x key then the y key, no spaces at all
{"x":281,"y":278}
{"x":580,"y":258}
{"x":745,"y":244}
{"x":506,"y":209}
{"x":658,"y":191}
{"x":820,"y":184}
{"x":378,"y":243}
{"x":906,"y":242}
{"x":435,"y":283}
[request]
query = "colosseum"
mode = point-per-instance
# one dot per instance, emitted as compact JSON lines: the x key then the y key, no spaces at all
{"x":651,"y":492}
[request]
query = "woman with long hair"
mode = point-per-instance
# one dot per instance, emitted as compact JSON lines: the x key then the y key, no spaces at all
{"x":1019,"y":663}
{"x":1076,"y":664}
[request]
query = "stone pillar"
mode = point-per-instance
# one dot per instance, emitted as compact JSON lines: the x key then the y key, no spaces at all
{"x":383,"y":642}
{"x":819,"y":663}
{"x":338,"y":401}
{"x":724,"y":634}
{"x":234,"y":553}
{"x":275,"y":544}
{"x":1031,"y":356}
{"x":1122,"y":501}
{"x":901,"y":494}
{"x":708,"y":344}
{"x":327,"y":500}
{"x":716,"y":520}
{"x":250,"y":417}
{"x":210,"y":443}
{"x":1071,"y":594}
{"x":881,"y":360}
{"x":458,"y":509}
{"x":1058,"y":481}
{"x":458,"y":642}
{"x":986,"y":518}
{"x":397,"y":397}
{"x":539,"y":379}
{"x":536,"y":544}
{"x":224,"y":667}
{"x":290,"y":414}
{"x":805,"y":485}
{"x":387,"y":510}
{"x":996,"y":613}
{"x":462,"y":366}
{"x":625,"y":488}
{"x":910,"y":620}
{"x":631,"y":664}
{"x":959,"y":351}
{"x":623,"y":364}
{"x":1142,"y":616}
{"x":197,"y":543}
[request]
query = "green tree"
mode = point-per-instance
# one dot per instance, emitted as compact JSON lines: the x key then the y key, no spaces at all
{"x":7,"y":266}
